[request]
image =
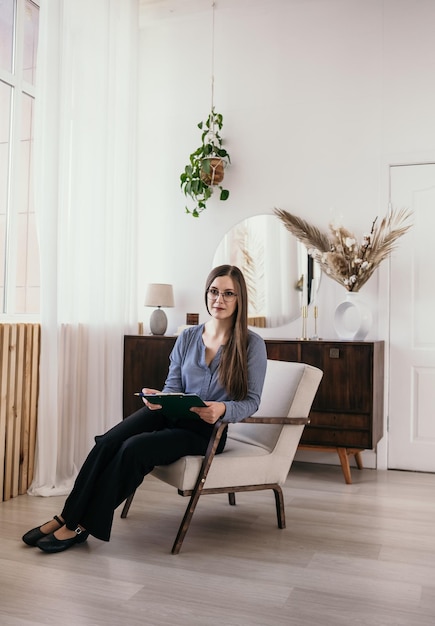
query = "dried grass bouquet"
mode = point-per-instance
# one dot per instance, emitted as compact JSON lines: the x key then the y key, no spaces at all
{"x":341,"y":256}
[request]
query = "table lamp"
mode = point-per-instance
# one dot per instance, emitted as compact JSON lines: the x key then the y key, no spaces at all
{"x":159,"y":295}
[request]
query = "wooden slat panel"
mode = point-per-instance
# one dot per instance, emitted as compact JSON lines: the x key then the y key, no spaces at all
{"x":4,"y":357}
{"x":17,"y":403}
{"x":34,"y":393}
{"x":25,"y":419}
{"x":10,"y":409}
{"x":19,"y":384}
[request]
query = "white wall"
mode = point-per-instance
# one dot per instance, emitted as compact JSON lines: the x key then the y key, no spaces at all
{"x":317,"y":97}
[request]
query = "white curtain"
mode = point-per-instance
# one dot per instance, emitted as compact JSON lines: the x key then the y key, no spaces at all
{"x":85,"y":179}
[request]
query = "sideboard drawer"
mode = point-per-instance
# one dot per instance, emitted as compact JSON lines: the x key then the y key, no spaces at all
{"x":336,"y":438}
{"x":350,"y":421}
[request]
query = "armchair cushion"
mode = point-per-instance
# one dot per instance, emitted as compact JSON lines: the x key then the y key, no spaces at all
{"x":239,"y":464}
{"x":274,"y":403}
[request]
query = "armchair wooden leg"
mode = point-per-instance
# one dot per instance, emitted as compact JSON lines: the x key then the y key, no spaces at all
{"x":279,"y":501}
{"x":219,"y":428}
{"x":127,"y":504}
{"x":185,"y":522}
{"x":232,"y":498}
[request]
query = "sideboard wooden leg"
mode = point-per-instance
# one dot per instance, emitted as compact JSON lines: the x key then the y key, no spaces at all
{"x":345,"y":466}
{"x":358,"y":460}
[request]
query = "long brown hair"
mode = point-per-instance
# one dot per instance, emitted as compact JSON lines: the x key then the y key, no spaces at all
{"x":233,"y":366}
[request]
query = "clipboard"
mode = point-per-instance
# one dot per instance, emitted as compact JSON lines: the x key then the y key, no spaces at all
{"x":175,"y":404}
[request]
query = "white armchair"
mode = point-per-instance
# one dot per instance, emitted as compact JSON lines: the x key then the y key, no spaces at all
{"x":259,"y":450}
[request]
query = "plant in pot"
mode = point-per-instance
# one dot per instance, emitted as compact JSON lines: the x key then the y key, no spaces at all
{"x":205,"y":170}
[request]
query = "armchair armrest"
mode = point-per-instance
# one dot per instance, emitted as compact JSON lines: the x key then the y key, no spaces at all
{"x":220,"y":426}
{"x":275,"y":420}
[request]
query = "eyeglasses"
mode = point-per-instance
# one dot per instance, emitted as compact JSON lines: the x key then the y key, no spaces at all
{"x":227,"y":296}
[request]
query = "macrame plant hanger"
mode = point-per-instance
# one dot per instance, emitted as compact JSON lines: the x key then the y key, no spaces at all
{"x":212,"y":58}
{"x":217,"y":166}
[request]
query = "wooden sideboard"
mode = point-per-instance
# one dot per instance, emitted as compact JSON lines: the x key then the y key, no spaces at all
{"x":347,"y":412}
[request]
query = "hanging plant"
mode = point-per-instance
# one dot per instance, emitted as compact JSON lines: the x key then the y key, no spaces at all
{"x":205,"y":171}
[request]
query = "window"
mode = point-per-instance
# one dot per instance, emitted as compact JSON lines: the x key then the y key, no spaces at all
{"x":19,"y":253}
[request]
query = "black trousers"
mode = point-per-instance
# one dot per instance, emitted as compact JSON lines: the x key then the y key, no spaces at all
{"x":121,"y":458}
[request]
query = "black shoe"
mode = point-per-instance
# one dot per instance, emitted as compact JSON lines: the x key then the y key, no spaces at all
{"x":32,"y":537}
{"x":51,"y":544}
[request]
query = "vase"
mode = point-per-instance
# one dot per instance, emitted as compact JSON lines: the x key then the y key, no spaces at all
{"x":352,"y":318}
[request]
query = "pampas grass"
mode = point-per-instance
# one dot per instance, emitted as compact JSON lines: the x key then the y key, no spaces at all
{"x":340,"y":255}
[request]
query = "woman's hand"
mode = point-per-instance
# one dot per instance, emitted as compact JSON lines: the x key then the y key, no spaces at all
{"x":148,"y":404}
{"x":210,"y":413}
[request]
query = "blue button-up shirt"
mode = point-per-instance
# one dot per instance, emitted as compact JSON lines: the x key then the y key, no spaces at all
{"x":189,"y":373}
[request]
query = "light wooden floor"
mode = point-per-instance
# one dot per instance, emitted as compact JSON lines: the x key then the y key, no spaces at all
{"x":360,"y":554}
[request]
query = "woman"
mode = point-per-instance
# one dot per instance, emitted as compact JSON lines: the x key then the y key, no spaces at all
{"x":221,"y":361}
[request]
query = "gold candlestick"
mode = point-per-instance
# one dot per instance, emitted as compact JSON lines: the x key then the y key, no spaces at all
{"x":316,"y":315}
{"x":304,"y":313}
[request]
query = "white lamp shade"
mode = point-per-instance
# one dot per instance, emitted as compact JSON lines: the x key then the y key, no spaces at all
{"x":159,"y":294}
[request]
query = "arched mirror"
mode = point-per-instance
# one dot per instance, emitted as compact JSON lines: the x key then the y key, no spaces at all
{"x":275,"y":265}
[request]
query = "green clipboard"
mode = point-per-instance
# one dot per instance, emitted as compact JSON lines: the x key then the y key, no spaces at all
{"x":175,"y":404}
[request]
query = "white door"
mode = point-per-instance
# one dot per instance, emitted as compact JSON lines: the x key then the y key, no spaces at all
{"x":411,"y":442}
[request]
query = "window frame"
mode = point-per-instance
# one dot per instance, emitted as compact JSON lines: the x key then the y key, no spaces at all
{"x":21,"y":89}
